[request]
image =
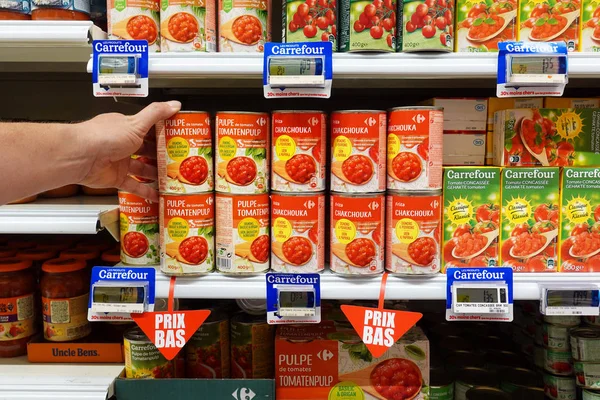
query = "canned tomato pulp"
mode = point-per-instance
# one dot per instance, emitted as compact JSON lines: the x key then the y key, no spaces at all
{"x":559,"y":387}
{"x":252,"y":347}
{"x":587,"y":374}
{"x":357,"y":223}
{"x":413,"y":232}
{"x":184,"y":151}
{"x":297,"y":232}
{"x":310,"y":21}
{"x":187,"y":232}
{"x":207,"y":352}
{"x":298,"y":154}
{"x":426,"y":25}
{"x":188,"y":25}
{"x":358,"y":151}
{"x":242,"y":155}
{"x":142,"y":359}
{"x":367,"y":25}
{"x":414,"y":148}
{"x":558,"y":362}
{"x":243,"y":242}
{"x":467,"y":378}
{"x":134,"y":20}
{"x":140,"y":240}
{"x":555,"y":337}
{"x":585,"y":344}
{"x":244,"y":25}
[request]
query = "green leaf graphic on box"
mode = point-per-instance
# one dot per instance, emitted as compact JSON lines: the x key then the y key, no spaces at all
{"x":258,"y":154}
{"x":148,"y":229}
{"x":206,"y":231}
{"x":227,"y":5}
{"x":415,"y":352}
{"x":358,"y":352}
{"x":164,"y":4}
{"x":199,"y":12}
{"x":120,"y":5}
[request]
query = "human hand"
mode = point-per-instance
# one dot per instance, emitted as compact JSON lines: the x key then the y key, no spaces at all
{"x":111,"y":139}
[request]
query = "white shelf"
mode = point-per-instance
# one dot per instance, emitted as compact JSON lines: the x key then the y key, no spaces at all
{"x":22,"y":380}
{"x":220,"y":286}
{"x":77,"y":215}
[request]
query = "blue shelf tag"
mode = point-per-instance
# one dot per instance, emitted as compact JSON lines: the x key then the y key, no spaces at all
{"x":120,"y":68}
{"x":297,"y":70}
{"x":529,"y":69}
{"x":565,"y":299}
{"x":293,"y":298}
{"x":117,"y":292}
{"x":481,"y":294}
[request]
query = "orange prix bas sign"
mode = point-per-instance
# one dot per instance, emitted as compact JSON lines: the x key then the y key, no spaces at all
{"x":378,"y":328}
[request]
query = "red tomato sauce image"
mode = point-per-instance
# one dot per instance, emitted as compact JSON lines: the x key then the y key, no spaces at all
{"x":423,"y":250}
{"x":247,"y":29}
{"x":585,"y":243}
{"x":468,"y":244}
{"x":194,"y":249}
{"x":358,"y":169}
{"x":260,"y":248}
{"x":135,"y":244}
{"x":527,"y":243}
{"x":490,"y":25}
{"x":297,"y":250}
{"x":407,"y":166}
{"x":548,"y":28}
{"x":142,"y":27}
{"x":361,"y":251}
{"x":183,"y":27}
{"x":242,"y":170}
{"x":194,"y":169}
{"x":301,"y":168}
{"x":397,"y":379}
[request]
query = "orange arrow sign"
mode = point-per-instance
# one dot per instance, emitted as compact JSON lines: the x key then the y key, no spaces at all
{"x":378,"y":328}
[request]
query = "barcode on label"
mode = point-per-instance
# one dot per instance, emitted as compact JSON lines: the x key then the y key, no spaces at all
{"x":223,"y":263}
{"x":59,"y":310}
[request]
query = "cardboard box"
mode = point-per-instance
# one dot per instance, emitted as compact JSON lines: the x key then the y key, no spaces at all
{"x":590,"y":12}
{"x":534,"y":23}
{"x":471,"y":209}
{"x":566,"y":102}
{"x":547,"y":137}
{"x":462,"y":114}
{"x":580,"y":216}
{"x":529,"y":219}
{"x":466,"y":148}
{"x":39,"y":351}
{"x":194,"y":389}
{"x":326,"y":361}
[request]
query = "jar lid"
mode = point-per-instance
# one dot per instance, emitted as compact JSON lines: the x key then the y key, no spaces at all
{"x":6,"y":251}
{"x":80,"y":254}
{"x":36,"y":254}
{"x":13,"y":264}
{"x":55,"y":247}
{"x":112,"y":256}
{"x":60,"y":265}
{"x":94,"y":246}
{"x":22,"y":243}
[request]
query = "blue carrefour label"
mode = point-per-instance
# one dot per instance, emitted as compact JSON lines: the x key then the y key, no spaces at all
{"x":478,"y":275}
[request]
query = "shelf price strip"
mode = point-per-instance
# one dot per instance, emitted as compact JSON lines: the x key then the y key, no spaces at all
{"x":379,"y":328}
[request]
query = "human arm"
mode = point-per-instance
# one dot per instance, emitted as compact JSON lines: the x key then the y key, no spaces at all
{"x":35,"y":157}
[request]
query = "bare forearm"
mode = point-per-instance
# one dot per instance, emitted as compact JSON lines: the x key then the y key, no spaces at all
{"x":37,"y":157}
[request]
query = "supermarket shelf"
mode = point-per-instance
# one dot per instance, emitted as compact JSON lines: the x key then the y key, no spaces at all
{"x":174,"y":66}
{"x":79,"y":215}
{"x":219,"y":286}
{"x":46,"y":46}
{"x":22,"y":380}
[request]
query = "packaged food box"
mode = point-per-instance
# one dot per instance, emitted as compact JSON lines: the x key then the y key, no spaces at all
{"x":462,"y":114}
{"x":481,"y":25}
{"x":464,"y":148}
{"x":326,"y":361}
{"x":580,"y":216}
{"x":547,"y":137}
{"x":550,"y":21}
{"x":471,"y":217}
{"x":529,"y":219}
{"x":570,"y":102}
{"x":589,"y":28}
{"x":496,"y":104}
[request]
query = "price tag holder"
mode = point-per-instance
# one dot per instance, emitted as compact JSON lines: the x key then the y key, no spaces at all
{"x":570,"y":300}
{"x":118,"y":292}
{"x":483,"y":294}
{"x":527,"y":69}
{"x":293,"y":298}
{"x":120,"y":68}
{"x":297,"y":70}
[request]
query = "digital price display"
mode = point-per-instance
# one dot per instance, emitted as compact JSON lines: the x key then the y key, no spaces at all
{"x":477,"y":299}
{"x":296,"y":303}
{"x":111,"y":298}
{"x":567,"y":301}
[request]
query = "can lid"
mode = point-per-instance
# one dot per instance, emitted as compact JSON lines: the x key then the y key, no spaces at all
{"x":297,"y":111}
{"x":416,"y":108}
{"x":486,"y":393}
{"x":416,"y":193}
{"x":6,"y":251}
{"x":80,"y":254}
{"x":136,"y":333}
{"x":36,"y":254}
{"x":519,"y":377}
{"x":253,"y":306}
{"x":62,"y":265}
{"x":439,"y":376}
{"x":13,"y":264}
{"x":476,"y":377}
{"x":528,"y":393}
{"x":112,"y":255}
{"x":95,"y":246}
{"x":585,"y":333}
{"x":22,"y":243}
{"x":357,"y":111}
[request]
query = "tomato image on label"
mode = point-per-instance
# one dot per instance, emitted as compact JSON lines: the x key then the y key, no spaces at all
{"x":135,"y":244}
{"x":407,"y":166}
{"x":142,"y":27}
{"x":297,"y":250}
{"x":357,"y":169}
{"x":242,"y":170}
{"x":370,"y":25}
{"x":310,"y":21}
{"x":260,"y":248}
{"x":247,"y":29}
{"x":397,"y":379}
{"x":423,"y":250}
{"x":551,"y":21}
{"x":183,"y":27}
{"x":133,"y":20}
{"x":301,"y":168}
{"x":361,"y":252}
{"x":481,"y":26}
{"x":194,"y":169}
{"x":194,"y":249}
{"x":244,"y":26}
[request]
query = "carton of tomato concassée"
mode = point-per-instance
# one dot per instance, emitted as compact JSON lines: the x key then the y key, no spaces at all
{"x":471,"y":218}
{"x":580,"y":220}
{"x":328,"y":362}
{"x":556,"y":137}
{"x":529,"y":226}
